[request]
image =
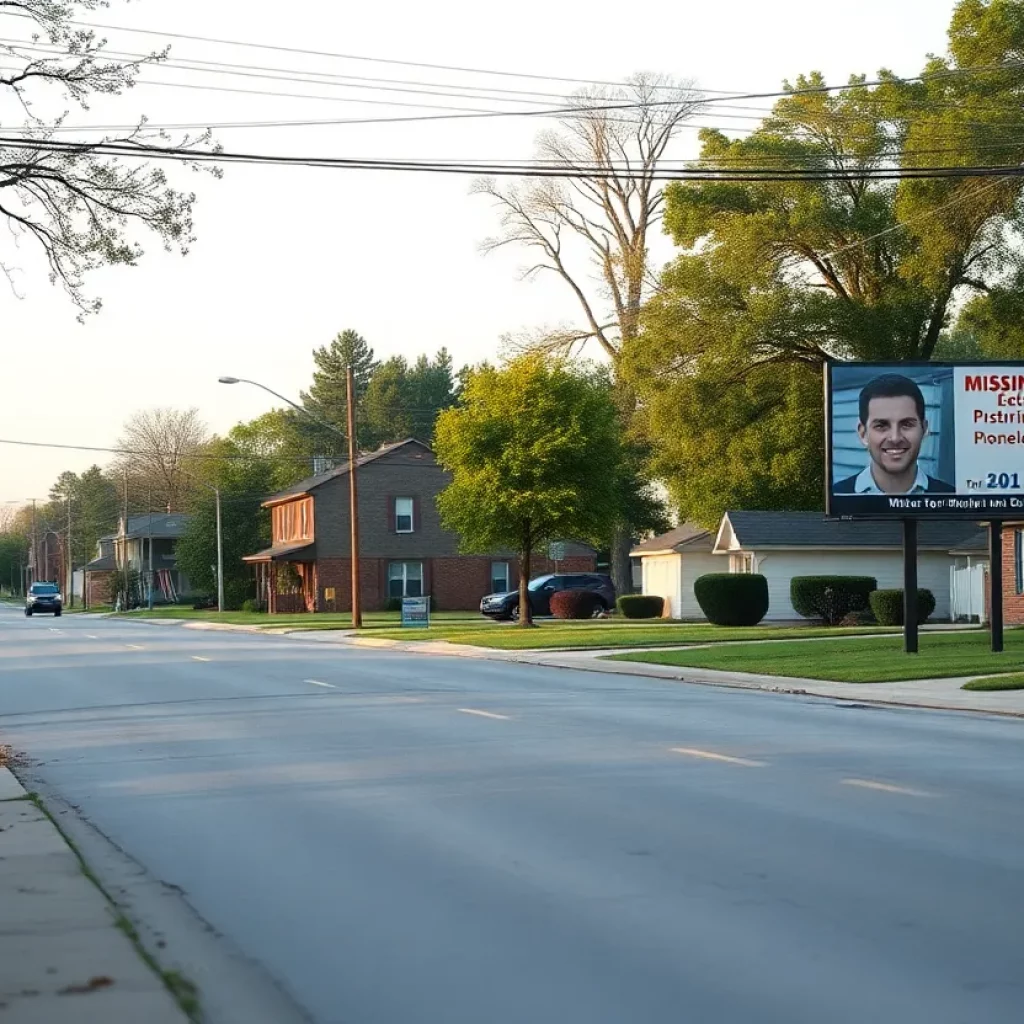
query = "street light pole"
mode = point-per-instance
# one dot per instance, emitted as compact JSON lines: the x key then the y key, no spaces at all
{"x":353,"y":488}
{"x":220,"y":556}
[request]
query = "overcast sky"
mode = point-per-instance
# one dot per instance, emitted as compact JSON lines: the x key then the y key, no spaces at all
{"x":288,"y":257}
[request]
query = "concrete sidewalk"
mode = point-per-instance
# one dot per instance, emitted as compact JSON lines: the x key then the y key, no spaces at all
{"x":62,"y":958}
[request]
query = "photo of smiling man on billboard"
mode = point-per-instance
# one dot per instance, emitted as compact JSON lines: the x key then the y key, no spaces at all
{"x":892,"y":425}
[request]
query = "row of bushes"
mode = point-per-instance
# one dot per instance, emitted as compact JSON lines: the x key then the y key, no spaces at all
{"x":741,"y":599}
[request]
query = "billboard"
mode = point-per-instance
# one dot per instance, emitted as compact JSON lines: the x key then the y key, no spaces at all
{"x":925,"y":439}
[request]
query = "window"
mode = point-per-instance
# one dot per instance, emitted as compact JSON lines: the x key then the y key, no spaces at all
{"x":499,"y":578}
{"x":742,"y":562}
{"x":403,"y":515}
{"x":293,"y":521}
{"x":405,"y":579}
{"x":1018,"y":560}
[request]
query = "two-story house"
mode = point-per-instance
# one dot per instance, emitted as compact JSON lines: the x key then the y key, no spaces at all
{"x":404,"y":551}
{"x":147,"y":542}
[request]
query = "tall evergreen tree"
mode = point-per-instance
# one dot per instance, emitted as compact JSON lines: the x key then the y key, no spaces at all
{"x":327,"y":397}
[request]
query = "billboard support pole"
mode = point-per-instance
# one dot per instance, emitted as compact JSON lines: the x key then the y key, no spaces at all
{"x":910,"y":586}
{"x":995,"y":575}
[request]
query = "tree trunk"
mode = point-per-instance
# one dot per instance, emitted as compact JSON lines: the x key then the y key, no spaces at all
{"x":525,"y":611}
{"x":621,"y":566}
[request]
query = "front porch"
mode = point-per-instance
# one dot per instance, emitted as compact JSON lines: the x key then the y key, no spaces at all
{"x":286,"y":578}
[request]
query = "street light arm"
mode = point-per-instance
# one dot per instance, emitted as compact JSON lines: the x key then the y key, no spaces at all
{"x":287,"y":401}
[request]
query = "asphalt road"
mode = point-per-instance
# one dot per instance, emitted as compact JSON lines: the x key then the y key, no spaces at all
{"x":404,"y":839}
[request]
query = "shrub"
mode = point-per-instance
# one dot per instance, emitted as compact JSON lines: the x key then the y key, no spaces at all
{"x":732,"y":599}
{"x":640,"y":606}
{"x":575,"y":604}
{"x":252,"y":605}
{"x":830,"y":598}
{"x":888,"y":606}
{"x":861,"y":618}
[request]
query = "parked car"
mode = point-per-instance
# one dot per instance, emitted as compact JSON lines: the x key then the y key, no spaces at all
{"x":506,"y":606}
{"x":43,"y":597}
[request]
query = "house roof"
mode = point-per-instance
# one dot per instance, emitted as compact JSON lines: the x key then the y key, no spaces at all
{"x":684,"y":536}
{"x":812,"y":530}
{"x":284,"y":552}
{"x":311,"y":483}
{"x":105,"y":564}
{"x":161,"y":525}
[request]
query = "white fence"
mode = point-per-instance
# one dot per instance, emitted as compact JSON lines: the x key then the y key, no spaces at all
{"x":967,"y":594}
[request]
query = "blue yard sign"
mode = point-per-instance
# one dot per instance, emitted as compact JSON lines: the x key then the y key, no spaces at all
{"x":416,"y":612}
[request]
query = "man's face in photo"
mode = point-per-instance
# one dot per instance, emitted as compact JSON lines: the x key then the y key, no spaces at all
{"x":893,"y":434}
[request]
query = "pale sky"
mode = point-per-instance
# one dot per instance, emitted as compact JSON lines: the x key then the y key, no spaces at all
{"x":287,"y":257}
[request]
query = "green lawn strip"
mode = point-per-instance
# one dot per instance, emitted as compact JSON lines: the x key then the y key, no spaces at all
{"x":586,"y":635}
{"x":316,"y":620}
{"x":877,"y":660}
{"x":990,"y":683}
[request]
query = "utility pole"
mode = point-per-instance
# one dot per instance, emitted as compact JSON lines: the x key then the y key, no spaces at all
{"x":220,"y":556}
{"x":71,"y":562}
{"x":353,"y":494}
{"x":34,"y":569}
{"x":124,"y":540}
{"x":149,"y":588}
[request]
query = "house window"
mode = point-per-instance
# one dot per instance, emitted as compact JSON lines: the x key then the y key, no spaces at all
{"x":293,"y":521}
{"x":1018,"y":560}
{"x":403,"y":516}
{"x":742,"y":562}
{"x":405,"y":579}
{"x":499,"y":578}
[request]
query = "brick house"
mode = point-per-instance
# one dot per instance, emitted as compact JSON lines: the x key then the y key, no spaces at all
{"x":404,"y":550}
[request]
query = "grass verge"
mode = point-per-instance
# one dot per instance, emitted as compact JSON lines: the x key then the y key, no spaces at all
{"x":314,"y":620}
{"x":993,"y":683}
{"x":876,"y":660}
{"x":603,"y":634}
{"x":184,"y":991}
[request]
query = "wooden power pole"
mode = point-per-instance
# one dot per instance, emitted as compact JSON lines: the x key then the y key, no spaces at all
{"x":353,"y":494}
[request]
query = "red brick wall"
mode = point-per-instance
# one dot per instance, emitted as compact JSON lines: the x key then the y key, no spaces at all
{"x":456,"y":582}
{"x":1013,"y":603}
{"x":98,"y":588}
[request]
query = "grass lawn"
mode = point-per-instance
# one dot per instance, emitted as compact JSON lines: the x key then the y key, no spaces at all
{"x":319,"y":620}
{"x":602,"y":633}
{"x":878,"y":660}
{"x":1011,"y":682}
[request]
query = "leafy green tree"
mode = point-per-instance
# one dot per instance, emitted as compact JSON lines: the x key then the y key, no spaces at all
{"x":13,"y":555}
{"x":327,"y":397}
{"x":247,"y":470}
{"x":531,"y":449}
{"x":95,"y":508}
{"x":775,"y":276}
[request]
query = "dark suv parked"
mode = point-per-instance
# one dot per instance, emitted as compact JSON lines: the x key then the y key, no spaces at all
{"x":43,"y":597}
{"x":506,"y":606}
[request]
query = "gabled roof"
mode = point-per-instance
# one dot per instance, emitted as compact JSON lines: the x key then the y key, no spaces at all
{"x":686,"y":536}
{"x":754,"y":530}
{"x":311,"y":483}
{"x":105,"y":564}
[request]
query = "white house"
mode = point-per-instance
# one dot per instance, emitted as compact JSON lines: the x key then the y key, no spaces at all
{"x":670,"y":564}
{"x":781,"y":545}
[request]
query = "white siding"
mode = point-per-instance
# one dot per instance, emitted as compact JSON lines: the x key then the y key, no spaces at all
{"x":663,"y":578}
{"x":695,"y":565}
{"x":886,"y":566}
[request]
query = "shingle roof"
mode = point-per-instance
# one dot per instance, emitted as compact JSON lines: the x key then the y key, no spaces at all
{"x":105,"y":564}
{"x":813,"y":530}
{"x":284,"y":552}
{"x":312,"y":482}
{"x":684,"y":535}
{"x":158,"y":525}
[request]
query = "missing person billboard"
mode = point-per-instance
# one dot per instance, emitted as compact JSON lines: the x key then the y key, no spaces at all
{"x":920,"y":439}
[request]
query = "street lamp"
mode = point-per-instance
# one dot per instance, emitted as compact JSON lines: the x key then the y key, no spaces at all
{"x":353,"y":487}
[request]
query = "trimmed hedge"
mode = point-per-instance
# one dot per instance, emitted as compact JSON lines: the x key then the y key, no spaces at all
{"x":830,"y":598}
{"x":888,"y":606}
{"x":575,"y":604}
{"x":640,"y":606}
{"x":732,"y":599}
